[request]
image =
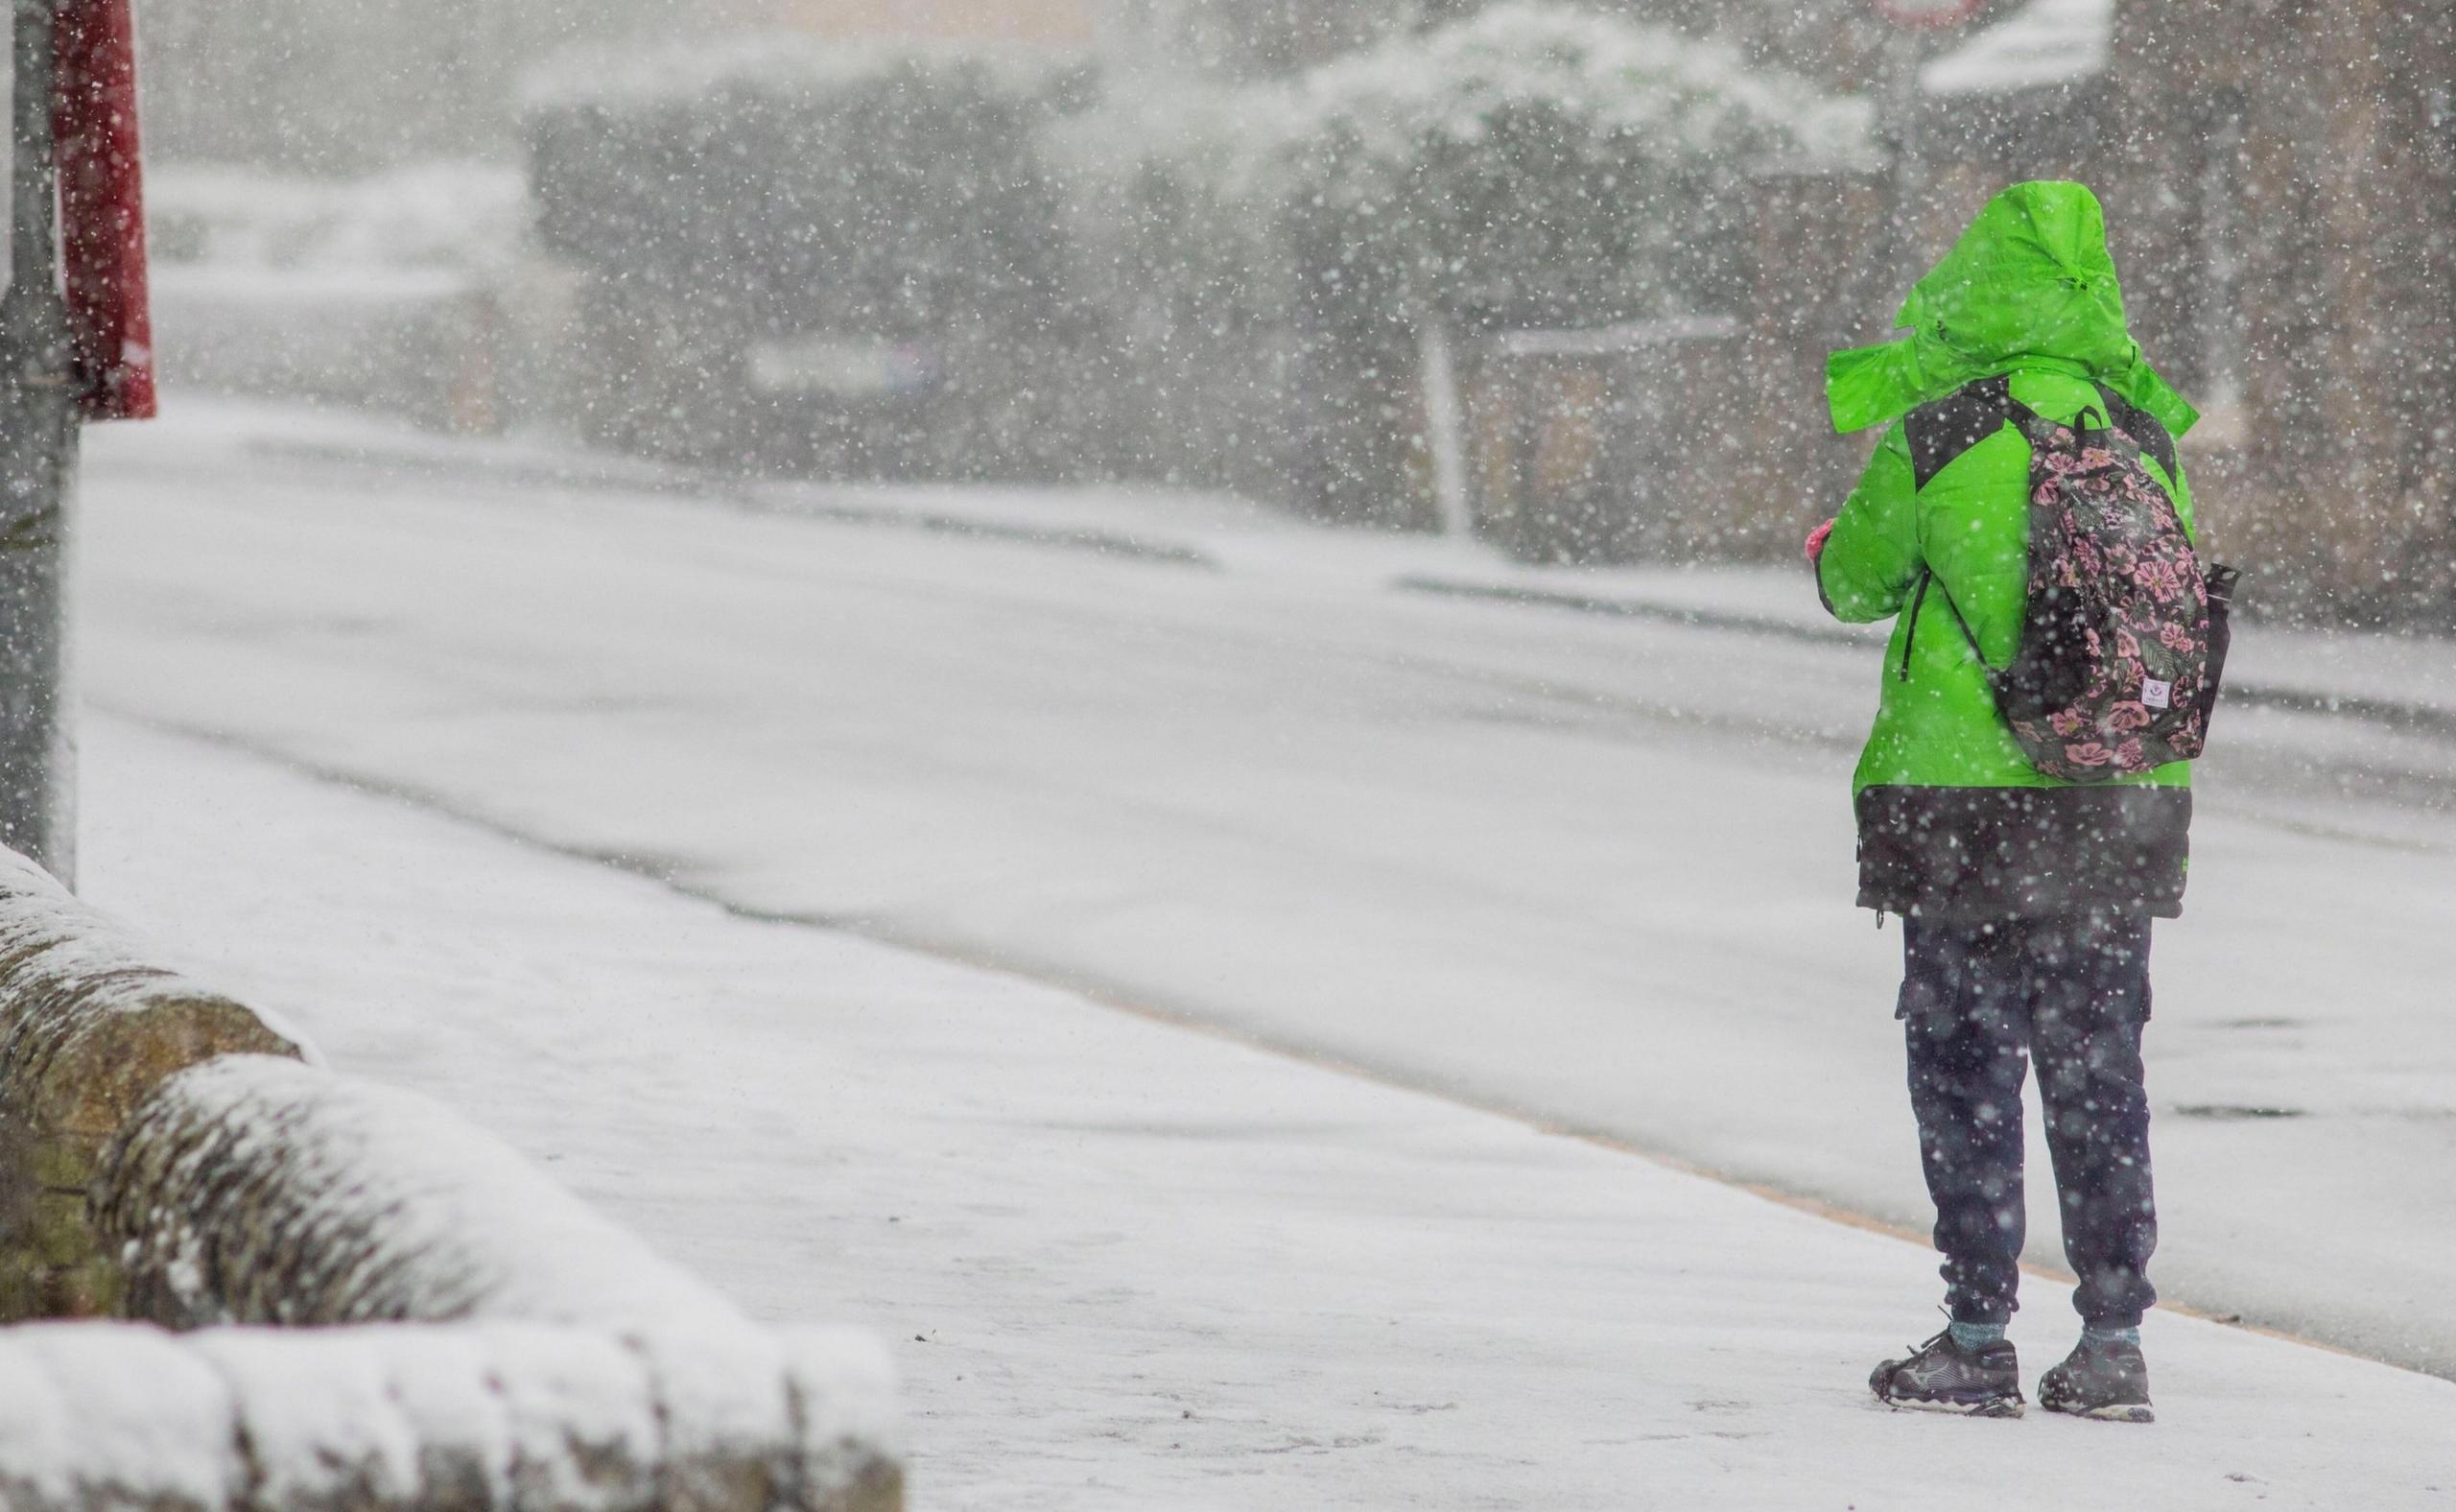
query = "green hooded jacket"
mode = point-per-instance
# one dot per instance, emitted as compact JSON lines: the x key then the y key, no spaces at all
{"x":2029,"y":291}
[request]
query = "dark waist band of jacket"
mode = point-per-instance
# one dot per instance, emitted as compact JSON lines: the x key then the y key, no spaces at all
{"x":1975,"y":853}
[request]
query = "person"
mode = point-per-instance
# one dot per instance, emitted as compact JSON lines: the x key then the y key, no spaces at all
{"x":2025,"y":898}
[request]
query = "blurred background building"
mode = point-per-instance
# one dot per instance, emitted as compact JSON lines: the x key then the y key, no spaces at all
{"x":1044,"y":268}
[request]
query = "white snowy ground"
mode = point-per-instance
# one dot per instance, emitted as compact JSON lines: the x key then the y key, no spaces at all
{"x":1128,"y":1264}
{"x":1595,"y":870}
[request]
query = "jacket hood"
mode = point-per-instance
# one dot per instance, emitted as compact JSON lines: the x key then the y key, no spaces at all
{"x":2030,"y":283}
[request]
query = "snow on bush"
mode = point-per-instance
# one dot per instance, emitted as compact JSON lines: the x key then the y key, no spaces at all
{"x":1226,"y":278}
{"x":1266,"y":255}
{"x":1363,"y":128}
{"x":1537,"y":158}
{"x":1534,"y":142}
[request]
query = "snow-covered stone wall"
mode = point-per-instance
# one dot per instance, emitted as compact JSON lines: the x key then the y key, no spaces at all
{"x":433,"y":1417}
{"x":88,"y":1030}
{"x":256,"y":1190}
{"x":330,"y":1295}
{"x":422,"y":1418}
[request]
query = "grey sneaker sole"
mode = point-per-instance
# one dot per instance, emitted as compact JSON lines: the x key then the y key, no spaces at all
{"x":2001,"y":1408}
{"x":2115,"y":1412}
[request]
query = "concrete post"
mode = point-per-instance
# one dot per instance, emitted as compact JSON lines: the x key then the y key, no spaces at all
{"x":1445,"y":425}
{"x":39,"y":424}
{"x":1904,"y":105}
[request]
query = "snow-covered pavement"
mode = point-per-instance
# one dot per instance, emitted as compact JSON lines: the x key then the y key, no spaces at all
{"x":1130,"y":1265}
{"x":1594,"y":871}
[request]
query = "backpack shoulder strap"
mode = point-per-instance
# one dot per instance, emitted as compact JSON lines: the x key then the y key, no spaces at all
{"x":1940,"y":432}
{"x":2144,"y":429}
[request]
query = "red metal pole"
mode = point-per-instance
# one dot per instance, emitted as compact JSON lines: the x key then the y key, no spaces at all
{"x":101,"y":204}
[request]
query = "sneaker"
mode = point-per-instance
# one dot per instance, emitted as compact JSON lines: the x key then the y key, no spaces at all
{"x":2107,"y":1381}
{"x":1940,"y":1376}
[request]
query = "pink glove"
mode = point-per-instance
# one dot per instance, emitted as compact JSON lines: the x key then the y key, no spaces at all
{"x":1816,"y":539}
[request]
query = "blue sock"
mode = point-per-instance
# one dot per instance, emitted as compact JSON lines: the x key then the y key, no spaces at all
{"x":1977,"y":1335}
{"x":2092,"y":1334}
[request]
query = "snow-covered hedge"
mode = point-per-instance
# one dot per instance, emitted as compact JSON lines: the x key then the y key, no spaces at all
{"x":1210,"y":284}
{"x":1534,"y":165}
{"x":1538,"y":162}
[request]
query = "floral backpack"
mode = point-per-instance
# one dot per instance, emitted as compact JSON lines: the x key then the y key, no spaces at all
{"x":2123,"y":637}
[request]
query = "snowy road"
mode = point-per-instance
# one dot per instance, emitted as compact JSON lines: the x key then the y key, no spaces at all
{"x":1594,"y":871}
{"x":1124,"y":1267}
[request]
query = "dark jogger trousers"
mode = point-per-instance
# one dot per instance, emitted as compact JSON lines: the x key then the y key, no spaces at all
{"x":1978,"y":1001}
